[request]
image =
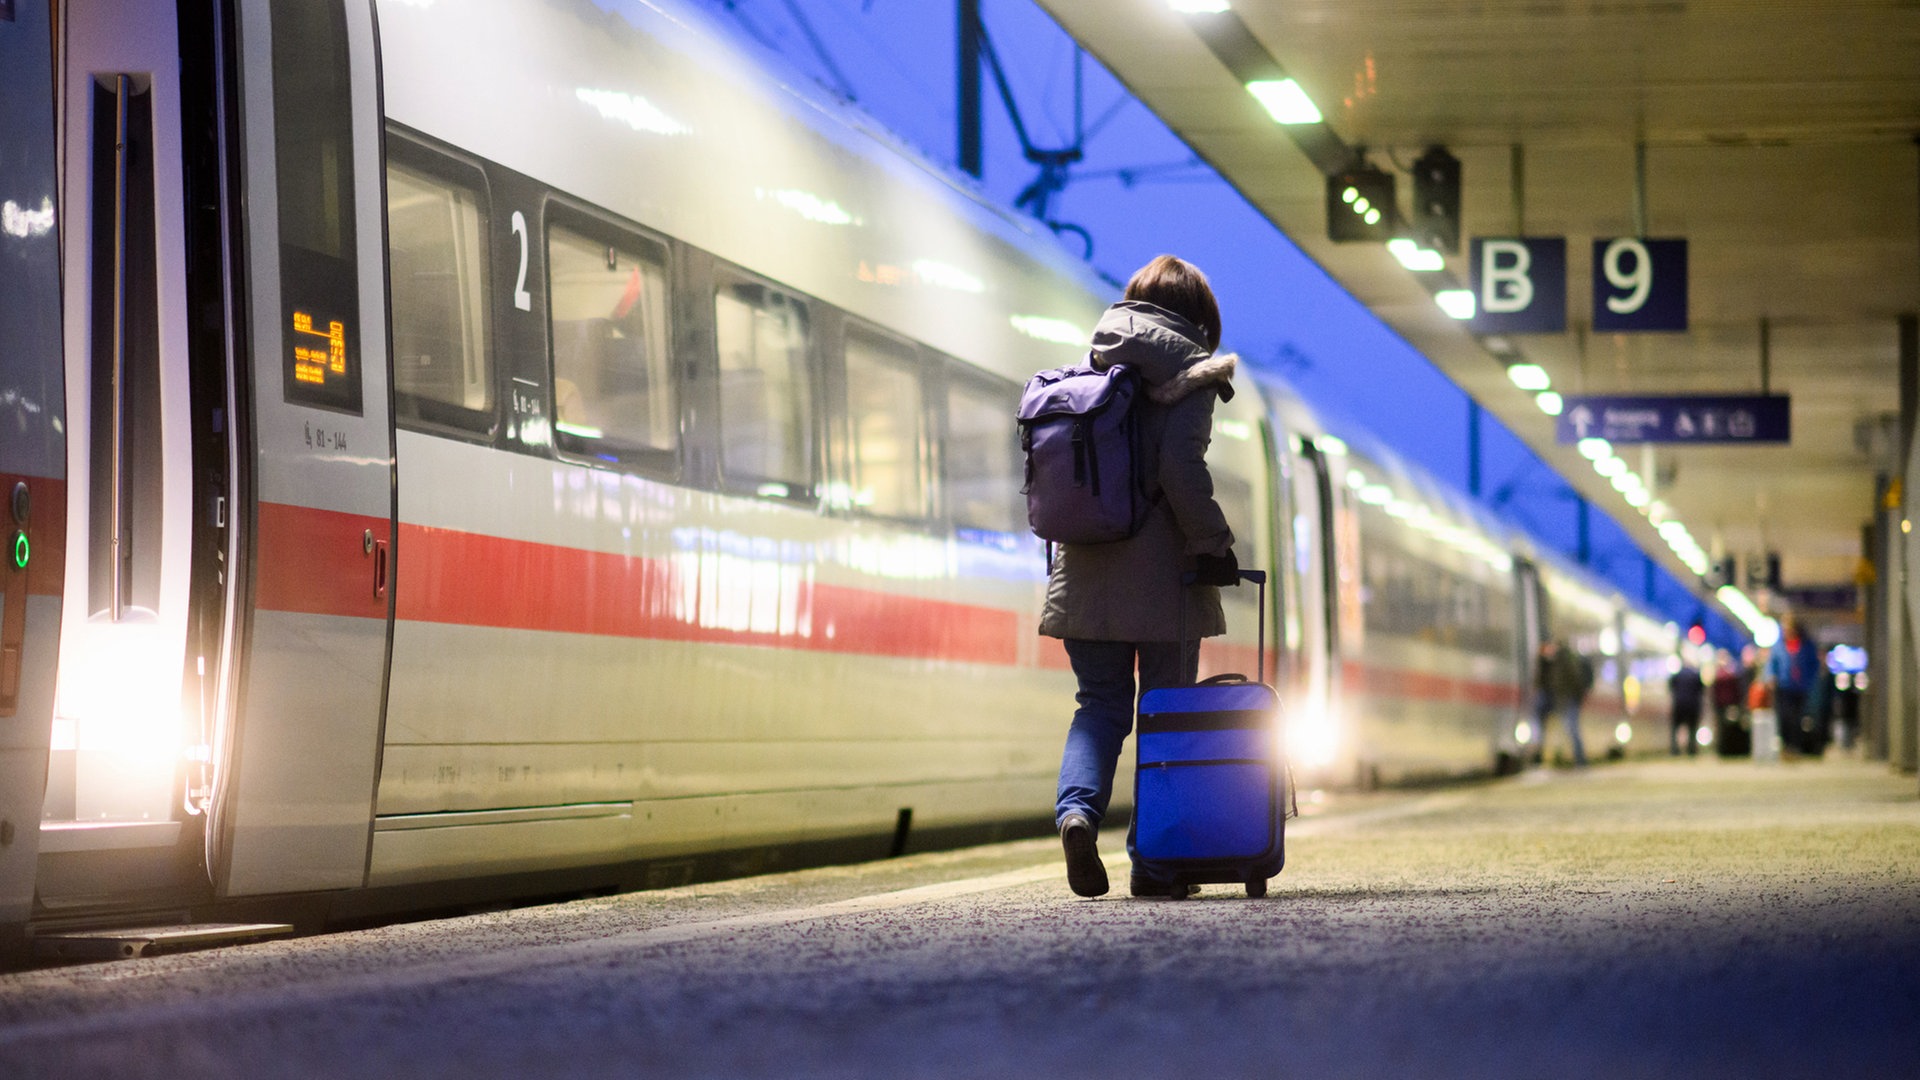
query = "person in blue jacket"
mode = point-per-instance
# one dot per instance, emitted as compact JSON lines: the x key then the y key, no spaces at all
{"x":1793,"y":668}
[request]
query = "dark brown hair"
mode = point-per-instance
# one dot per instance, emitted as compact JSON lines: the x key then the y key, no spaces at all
{"x":1179,"y":286}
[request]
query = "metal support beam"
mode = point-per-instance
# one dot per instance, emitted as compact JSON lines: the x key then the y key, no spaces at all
{"x":1473,"y":448}
{"x":1766,"y":356}
{"x":1517,"y":168}
{"x":967,"y":67}
{"x":1903,"y":748}
{"x":1873,"y":706}
{"x":1640,"y":189}
{"x":1583,"y":522}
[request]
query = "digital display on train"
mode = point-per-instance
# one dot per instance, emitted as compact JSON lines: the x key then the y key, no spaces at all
{"x":320,"y":357}
{"x":316,"y":361}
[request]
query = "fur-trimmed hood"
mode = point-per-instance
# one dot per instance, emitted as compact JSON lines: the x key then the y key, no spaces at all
{"x":1168,"y":351}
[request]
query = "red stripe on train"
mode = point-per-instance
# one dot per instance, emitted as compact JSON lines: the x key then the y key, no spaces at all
{"x":316,"y":562}
{"x":1373,"y":681}
{"x":313,"y":562}
{"x":475,"y":580}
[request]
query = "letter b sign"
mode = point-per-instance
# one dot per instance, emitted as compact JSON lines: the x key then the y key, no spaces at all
{"x":1519,"y":284}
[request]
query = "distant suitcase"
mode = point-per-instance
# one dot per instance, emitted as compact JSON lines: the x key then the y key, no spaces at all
{"x":1211,"y":788}
{"x":1730,"y":735}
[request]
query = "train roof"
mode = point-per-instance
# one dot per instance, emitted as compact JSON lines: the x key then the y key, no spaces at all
{"x":647,"y":110}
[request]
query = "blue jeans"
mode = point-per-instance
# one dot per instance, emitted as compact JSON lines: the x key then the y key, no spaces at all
{"x":1107,"y":699}
{"x":1571,"y":710}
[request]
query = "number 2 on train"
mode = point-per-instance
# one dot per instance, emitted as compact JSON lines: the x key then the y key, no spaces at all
{"x":522,"y":299}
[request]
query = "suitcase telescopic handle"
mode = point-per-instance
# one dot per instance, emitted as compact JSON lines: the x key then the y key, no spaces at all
{"x":1257,"y":577}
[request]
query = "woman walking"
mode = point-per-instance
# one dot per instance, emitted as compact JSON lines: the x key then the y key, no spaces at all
{"x":1116,"y":605}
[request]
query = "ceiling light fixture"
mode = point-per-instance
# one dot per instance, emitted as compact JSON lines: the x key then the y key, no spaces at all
{"x":1457,"y":303}
{"x":1414,"y":257}
{"x":1529,"y":376}
{"x":1285,"y":101}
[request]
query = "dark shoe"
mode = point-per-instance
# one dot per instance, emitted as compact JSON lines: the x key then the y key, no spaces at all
{"x":1145,"y":886}
{"x":1086,"y":874}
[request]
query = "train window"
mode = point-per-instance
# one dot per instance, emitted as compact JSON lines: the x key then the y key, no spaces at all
{"x":766,"y":392}
{"x":313,"y":169}
{"x":1234,"y":493}
{"x":436,"y":244}
{"x":983,"y":464}
{"x":887,"y":415}
{"x":613,"y":383}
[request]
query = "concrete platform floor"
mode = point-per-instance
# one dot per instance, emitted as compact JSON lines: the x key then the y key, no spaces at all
{"x":1660,"y":919}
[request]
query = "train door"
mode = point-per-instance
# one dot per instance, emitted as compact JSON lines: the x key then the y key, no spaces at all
{"x":1530,"y":630}
{"x":297,"y":811}
{"x":32,"y":446}
{"x":1314,"y":728}
{"x":144,"y":549}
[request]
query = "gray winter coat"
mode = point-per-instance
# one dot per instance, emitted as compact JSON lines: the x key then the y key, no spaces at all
{"x":1128,"y":590}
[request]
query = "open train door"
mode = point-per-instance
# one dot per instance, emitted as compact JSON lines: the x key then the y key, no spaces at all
{"x":296,"y":809}
{"x":1529,"y":616}
{"x":32,"y":447}
{"x":147,"y":213}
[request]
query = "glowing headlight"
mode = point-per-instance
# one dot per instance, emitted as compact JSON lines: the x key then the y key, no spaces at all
{"x":1312,"y":739}
{"x":1624,"y":733}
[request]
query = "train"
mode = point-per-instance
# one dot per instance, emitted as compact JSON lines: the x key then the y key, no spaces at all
{"x":469,"y":451}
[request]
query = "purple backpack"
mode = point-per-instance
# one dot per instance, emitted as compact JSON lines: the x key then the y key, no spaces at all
{"x":1081,"y":434}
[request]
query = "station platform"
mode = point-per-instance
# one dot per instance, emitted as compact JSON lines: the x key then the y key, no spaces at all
{"x":1670,"y":918}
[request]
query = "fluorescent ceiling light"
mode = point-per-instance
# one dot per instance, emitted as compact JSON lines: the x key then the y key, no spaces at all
{"x":1638,"y":499}
{"x":1455,"y":302}
{"x":1285,"y":101}
{"x":1529,"y":376}
{"x":1595,"y":449}
{"x":1376,"y":494}
{"x":1549,"y":402}
{"x":1414,"y":257}
{"x":1609,"y":467}
{"x":1198,"y":7}
{"x":1331,"y":445}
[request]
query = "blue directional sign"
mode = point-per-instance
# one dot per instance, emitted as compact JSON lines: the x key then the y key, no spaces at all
{"x":1690,"y":419}
{"x":1639,"y":285}
{"x":1519,"y":284}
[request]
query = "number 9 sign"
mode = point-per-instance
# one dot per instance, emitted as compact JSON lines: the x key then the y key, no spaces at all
{"x":1639,"y":285}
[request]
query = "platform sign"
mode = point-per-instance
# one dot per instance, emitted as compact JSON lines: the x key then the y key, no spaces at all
{"x":1690,"y":419}
{"x":1639,"y":285}
{"x":1519,"y":284}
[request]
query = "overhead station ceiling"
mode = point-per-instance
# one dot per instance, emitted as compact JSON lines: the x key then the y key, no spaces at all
{"x":1780,"y":143}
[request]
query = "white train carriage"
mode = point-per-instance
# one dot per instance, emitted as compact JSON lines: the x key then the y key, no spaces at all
{"x":520,"y":447}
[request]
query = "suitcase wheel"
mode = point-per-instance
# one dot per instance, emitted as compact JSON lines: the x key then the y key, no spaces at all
{"x":1178,"y":890}
{"x":1257,"y":888}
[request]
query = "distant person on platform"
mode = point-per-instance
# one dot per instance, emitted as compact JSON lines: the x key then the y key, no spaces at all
{"x":1569,"y":678}
{"x":1685,"y":693}
{"x":1542,"y":697}
{"x":1118,"y":604}
{"x":1793,"y":669}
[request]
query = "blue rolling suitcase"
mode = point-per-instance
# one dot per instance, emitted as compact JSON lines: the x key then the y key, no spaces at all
{"x":1210,"y":786}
